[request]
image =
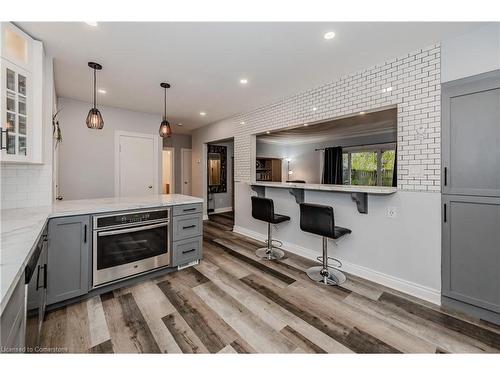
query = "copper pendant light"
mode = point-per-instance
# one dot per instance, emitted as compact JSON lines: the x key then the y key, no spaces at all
{"x":165,"y":129}
{"x":94,"y":118}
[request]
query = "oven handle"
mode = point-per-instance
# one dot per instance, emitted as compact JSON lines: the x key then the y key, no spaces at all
{"x":130,"y":230}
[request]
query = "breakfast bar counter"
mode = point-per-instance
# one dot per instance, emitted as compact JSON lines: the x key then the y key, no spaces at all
{"x":359,"y":194}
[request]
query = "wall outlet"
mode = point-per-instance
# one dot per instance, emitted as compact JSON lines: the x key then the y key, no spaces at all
{"x":416,"y":171}
{"x":392,"y":212}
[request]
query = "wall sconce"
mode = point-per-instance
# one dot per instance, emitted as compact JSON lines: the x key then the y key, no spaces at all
{"x":290,"y":172}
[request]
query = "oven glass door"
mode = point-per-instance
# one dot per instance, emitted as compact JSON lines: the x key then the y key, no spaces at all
{"x":122,"y":246}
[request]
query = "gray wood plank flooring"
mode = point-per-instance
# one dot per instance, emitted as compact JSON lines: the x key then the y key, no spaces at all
{"x":233,"y":302}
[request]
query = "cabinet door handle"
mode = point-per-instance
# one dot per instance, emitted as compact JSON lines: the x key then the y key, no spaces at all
{"x":444,"y":213}
{"x":188,"y":251}
{"x":189,"y":209}
{"x":45,"y":276}
{"x":189,"y":227}
{"x":85,"y":233}
{"x":6,"y":131}
{"x":445,"y":176}
{"x":38,"y":277}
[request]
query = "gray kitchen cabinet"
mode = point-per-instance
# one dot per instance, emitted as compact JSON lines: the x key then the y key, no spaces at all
{"x":471,"y":195}
{"x":187,"y":230}
{"x":471,"y":250}
{"x":13,"y":322}
{"x":69,"y":257}
{"x":471,"y":136}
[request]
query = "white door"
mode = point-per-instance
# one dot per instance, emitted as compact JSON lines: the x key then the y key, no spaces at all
{"x":136,"y":172}
{"x":186,"y":171}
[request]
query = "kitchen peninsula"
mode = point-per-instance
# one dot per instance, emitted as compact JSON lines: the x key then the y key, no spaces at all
{"x":168,"y":226}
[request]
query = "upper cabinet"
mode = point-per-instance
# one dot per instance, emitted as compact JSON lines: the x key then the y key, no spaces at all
{"x":21,"y":87}
{"x":471,"y":136}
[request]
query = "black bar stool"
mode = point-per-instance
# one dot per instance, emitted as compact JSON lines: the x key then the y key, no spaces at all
{"x":263,"y":209}
{"x":319,"y":219}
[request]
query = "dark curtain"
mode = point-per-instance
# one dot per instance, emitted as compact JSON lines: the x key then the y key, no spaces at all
{"x":395,"y":173}
{"x":332,"y":172}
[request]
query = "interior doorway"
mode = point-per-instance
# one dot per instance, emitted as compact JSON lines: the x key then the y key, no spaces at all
{"x":186,"y":171}
{"x":220,"y":182}
{"x":168,"y":175}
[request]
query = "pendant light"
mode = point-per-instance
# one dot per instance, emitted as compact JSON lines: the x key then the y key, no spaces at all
{"x":94,"y":118}
{"x":165,"y":129}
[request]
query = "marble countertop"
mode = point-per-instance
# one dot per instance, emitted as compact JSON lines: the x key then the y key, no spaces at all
{"x":381,"y":190}
{"x":20,"y":228}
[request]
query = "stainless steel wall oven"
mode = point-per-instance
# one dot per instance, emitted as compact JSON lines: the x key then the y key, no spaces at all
{"x":129,"y":243}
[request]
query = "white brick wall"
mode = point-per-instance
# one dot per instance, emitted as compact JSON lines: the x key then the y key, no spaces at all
{"x":414,"y":87}
{"x":25,"y":185}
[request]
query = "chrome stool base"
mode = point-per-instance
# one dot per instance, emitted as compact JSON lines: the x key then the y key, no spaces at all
{"x":333,"y":277}
{"x":270,"y":254}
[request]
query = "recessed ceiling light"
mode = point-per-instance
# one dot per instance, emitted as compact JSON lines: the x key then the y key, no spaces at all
{"x":362,"y":112}
{"x":314,"y":108}
{"x":203,"y":113}
{"x":179,"y":124}
{"x":243,"y":81}
{"x":268,"y":132}
{"x":101,"y":91}
{"x":242,"y":123}
{"x":92,"y":23}
{"x":329,"y":35}
{"x":306,"y":124}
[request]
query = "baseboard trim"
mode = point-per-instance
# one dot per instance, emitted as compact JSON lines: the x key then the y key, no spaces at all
{"x":405,"y":286}
{"x":221,"y":210}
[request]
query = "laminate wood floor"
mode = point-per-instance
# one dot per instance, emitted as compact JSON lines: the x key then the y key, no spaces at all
{"x":233,"y":302}
{"x":223,"y":218}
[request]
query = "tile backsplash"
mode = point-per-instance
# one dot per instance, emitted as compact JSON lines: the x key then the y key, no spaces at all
{"x":25,"y":185}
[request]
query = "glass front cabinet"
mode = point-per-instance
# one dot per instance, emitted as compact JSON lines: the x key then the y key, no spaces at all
{"x":21,"y":96}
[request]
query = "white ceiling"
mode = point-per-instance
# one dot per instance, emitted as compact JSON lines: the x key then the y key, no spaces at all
{"x":369,"y":124}
{"x":205,"y":61}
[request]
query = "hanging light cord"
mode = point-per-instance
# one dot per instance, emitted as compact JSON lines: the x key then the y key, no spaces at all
{"x":94,"y":89}
{"x":165,"y":105}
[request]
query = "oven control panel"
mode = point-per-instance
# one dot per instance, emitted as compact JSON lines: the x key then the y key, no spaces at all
{"x":130,"y":218}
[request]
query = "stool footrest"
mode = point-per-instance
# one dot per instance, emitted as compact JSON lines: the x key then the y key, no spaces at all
{"x":269,"y":254}
{"x":339,"y":263}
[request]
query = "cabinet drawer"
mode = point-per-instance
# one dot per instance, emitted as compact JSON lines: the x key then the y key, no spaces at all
{"x":187,"y":226}
{"x":187,"y":209}
{"x":186,"y":251}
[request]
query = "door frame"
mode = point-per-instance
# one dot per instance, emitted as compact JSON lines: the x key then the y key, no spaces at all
{"x":182,"y":169}
{"x":117,"y":135}
{"x":172,"y":150}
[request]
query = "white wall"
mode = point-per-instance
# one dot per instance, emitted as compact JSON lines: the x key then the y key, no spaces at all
{"x":86,"y":156}
{"x":29,"y":185}
{"x":472,"y":53}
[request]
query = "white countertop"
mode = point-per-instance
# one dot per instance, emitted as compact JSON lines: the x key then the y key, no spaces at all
{"x":20,"y":228}
{"x":381,"y":190}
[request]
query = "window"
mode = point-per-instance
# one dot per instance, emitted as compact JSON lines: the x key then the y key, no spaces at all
{"x":369,"y":165}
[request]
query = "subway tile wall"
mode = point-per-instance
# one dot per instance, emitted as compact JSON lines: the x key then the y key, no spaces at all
{"x":25,"y":185}
{"x":410,"y":82}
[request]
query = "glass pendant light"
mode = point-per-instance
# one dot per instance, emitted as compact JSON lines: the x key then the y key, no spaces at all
{"x":165,"y":129}
{"x":94,"y":118}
